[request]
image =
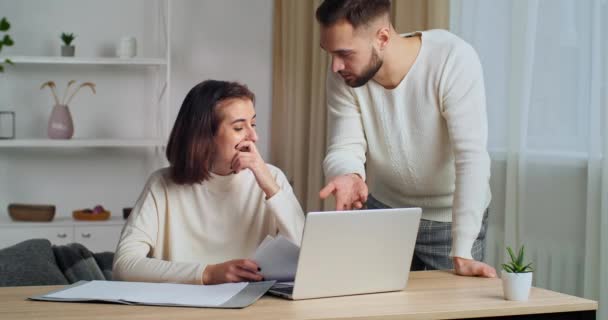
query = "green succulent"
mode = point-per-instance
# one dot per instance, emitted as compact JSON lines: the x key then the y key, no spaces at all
{"x":6,"y":40}
{"x":67,"y":38}
{"x":517,"y":264}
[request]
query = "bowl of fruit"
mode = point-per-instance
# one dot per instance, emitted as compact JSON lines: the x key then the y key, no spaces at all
{"x":96,"y":214}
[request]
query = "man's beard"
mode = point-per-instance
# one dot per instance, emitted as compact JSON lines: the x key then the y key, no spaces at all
{"x":372,"y":68}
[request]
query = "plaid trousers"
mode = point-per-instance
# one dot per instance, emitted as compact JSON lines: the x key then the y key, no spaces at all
{"x":434,"y":242}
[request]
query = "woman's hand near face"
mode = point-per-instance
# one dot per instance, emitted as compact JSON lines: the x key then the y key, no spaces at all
{"x":248,"y":157}
{"x":240,"y":270}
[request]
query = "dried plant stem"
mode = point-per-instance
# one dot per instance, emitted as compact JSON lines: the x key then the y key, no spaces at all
{"x":86,"y":84}
{"x":51,"y":85}
{"x":65,"y":92}
{"x":55,"y":95}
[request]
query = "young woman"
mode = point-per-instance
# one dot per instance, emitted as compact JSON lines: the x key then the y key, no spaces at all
{"x":198,"y":220}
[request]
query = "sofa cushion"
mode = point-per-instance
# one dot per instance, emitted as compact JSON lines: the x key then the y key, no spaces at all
{"x":76,"y":262}
{"x":30,"y":263}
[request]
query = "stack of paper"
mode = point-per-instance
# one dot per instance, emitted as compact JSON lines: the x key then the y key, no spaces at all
{"x":229,"y":295}
{"x":278,"y":258}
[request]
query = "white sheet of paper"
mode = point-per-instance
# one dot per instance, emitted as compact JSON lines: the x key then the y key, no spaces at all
{"x":264,"y":243}
{"x":153,"y":293}
{"x":278,"y":258}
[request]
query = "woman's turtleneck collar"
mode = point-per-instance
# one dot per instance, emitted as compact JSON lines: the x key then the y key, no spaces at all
{"x":224,"y":183}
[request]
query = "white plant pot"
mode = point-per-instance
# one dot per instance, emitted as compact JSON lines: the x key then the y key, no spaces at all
{"x":516,"y":286}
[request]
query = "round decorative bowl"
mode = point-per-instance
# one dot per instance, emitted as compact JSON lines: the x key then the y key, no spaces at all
{"x":86,"y":215}
{"x":31,"y":212}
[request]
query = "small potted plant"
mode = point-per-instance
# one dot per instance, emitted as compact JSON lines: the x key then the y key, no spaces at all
{"x":516,"y":276}
{"x":67,"y":49}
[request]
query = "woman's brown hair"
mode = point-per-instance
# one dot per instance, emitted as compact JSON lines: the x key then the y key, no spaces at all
{"x":191,"y":146}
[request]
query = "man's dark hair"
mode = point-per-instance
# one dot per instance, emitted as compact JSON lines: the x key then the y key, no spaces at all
{"x":356,"y":12}
{"x":191,"y":146}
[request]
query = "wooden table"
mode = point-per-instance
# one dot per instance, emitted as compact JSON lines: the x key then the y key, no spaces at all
{"x":429,"y":295}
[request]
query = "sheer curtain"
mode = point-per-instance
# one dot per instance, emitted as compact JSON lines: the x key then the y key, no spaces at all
{"x":546,"y":73}
{"x":298,"y":99}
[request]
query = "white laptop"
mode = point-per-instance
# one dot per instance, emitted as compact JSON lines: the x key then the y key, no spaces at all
{"x":353,"y":252}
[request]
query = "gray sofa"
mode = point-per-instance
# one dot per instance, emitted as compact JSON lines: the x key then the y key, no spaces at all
{"x":37,"y":262}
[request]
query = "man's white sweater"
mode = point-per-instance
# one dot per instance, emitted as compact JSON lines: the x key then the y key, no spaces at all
{"x":424,"y":141}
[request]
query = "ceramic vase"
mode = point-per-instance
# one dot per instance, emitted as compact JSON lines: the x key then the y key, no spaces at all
{"x":60,"y":123}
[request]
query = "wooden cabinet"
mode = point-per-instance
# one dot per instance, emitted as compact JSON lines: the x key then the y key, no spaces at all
{"x":57,"y":235}
{"x":97,"y":236}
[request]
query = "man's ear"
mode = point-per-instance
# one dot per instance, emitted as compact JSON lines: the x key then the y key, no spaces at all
{"x":383,"y":36}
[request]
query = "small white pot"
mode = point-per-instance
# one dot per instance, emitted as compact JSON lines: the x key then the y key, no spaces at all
{"x":516,"y":286}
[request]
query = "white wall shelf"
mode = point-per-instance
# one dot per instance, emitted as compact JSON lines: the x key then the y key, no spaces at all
{"x":85,"y":61}
{"x":80,"y":143}
{"x":121,"y":131}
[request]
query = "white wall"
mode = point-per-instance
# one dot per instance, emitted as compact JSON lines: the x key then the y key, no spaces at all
{"x":225,"y":40}
{"x":229,"y":40}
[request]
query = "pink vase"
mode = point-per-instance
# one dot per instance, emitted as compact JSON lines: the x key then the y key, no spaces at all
{"x":60,"y":123}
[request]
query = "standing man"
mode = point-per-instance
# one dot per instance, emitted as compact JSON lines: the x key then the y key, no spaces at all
{"x":407,"y":119}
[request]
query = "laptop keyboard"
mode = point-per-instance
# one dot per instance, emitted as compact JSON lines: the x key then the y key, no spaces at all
{"x":286,"y":290}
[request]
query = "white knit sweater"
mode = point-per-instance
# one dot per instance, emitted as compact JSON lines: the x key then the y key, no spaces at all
{"x":175,"y":231}
{"x":424,"y":141}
